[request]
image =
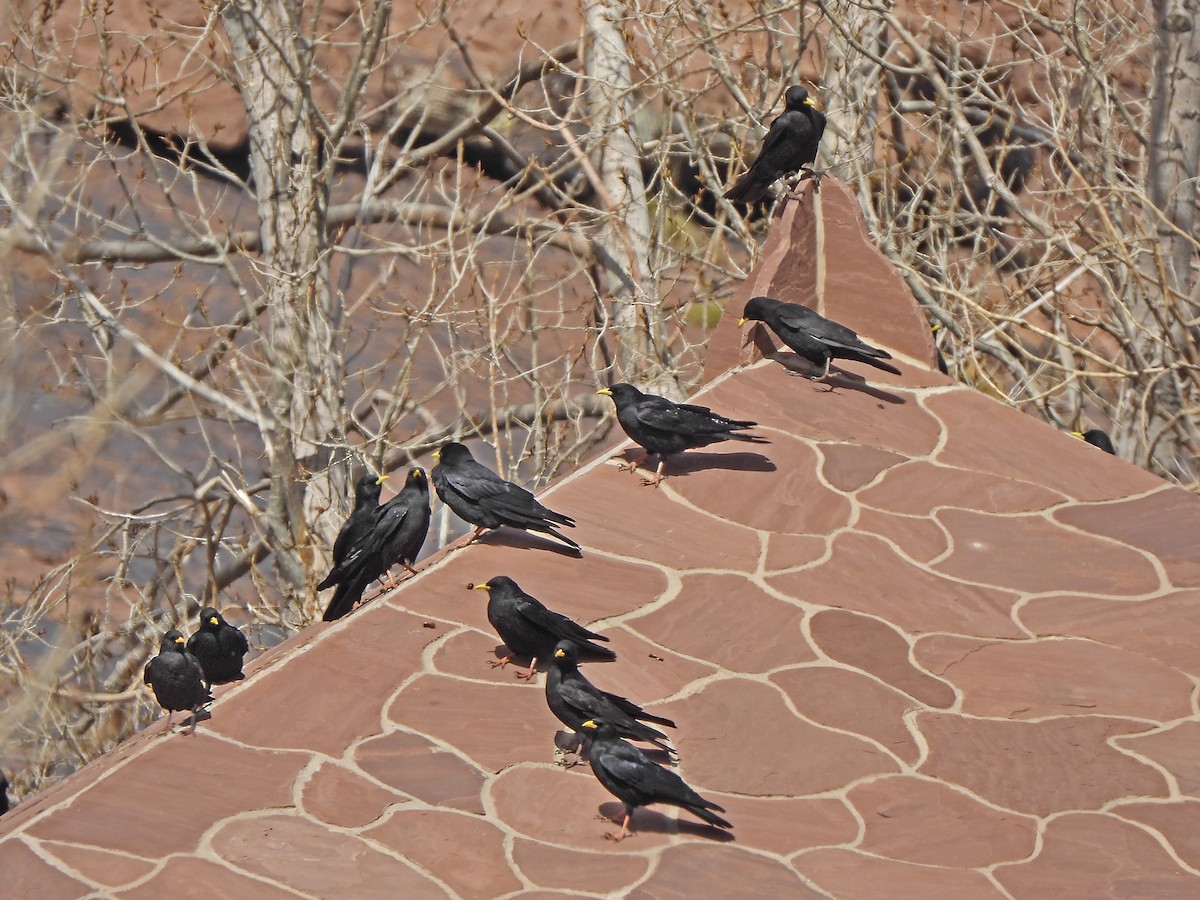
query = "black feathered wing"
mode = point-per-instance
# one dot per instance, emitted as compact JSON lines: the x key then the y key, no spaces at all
{"x":842,"y":341}
{"x":539,"y":617}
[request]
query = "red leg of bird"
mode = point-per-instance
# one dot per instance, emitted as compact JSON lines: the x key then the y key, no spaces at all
{"x":658,"y":475}
{"x":195,"y":718}
{"x":633,"y":464}
{"x":530,"y":672}
{"x":410,"y":569}
{"x":623,"y":833}
{"x":499,"y":663}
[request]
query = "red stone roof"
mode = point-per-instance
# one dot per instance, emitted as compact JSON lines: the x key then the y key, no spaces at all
{"x":919,"y":645}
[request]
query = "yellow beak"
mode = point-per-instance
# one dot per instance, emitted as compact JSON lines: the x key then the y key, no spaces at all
{"x":214,"y":620}
{"x":437,"y":454}
{"x":381,"y":479}
{"x":590,"y":723}
{"x":605,"y":391}
{"x":742,"y":322}
{"x":180,"y":640}
{"x":482,"y":587}
{"x":558,"y":654}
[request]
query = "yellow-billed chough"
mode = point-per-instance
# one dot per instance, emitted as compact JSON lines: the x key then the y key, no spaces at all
{"x":636,"y":780}
{"x":395,"y":536}
{"x":3,"y":794}
{"x":356,"y":526}
{"x":530,"y":630}
{"x":176,"y":678}
{"x":573,"y":700}
{"x":790,"y":145}
{"x":219,"y":647}
{"x":481,"y":497}
{"x":812,"y":336}
{"x":1096,"y":438}
{"x":663,"y":427}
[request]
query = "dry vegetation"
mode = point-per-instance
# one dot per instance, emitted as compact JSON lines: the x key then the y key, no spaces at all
{"x":248,"y":252}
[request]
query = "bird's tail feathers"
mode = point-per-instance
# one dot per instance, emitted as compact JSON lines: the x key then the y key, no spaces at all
{"x":710,"y":817}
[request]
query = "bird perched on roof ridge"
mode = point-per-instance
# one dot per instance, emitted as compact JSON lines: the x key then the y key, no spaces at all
{"x":177,"y":678}
{"x":662,"y":427}
{"x":1097,"y":438}
{"x":634,"y":779}
{"x":219,"y":647}
{"x":480,"y":496}
{"x":396,"y":535}
{"x":531,"y":630}
{"x":356,"y":526}
{"x":790,"y":146}
{"x":574,"y":700}
{"x":812,"y":336}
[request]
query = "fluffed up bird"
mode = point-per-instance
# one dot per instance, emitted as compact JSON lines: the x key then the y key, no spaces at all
{"x":1096,"y":438}
{"x":356,"y":526}
{"x":790,"y":145}
{"x":574,"y":700}
{"x":812,"y":336}
{"x":480,"y":496}
{"x":219,"y":647}
{"x":176,"y":678}
{"x":532,"y":631}
{"x":395,"y":536}
{"x":663,"y":427}
{"x":635,"y":780}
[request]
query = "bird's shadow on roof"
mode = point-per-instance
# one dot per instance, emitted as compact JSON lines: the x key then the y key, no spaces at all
{"x":838,"y":377}
{"x":525,"y":540}
{"x":698,"y":460}
{"x":652,"y":822}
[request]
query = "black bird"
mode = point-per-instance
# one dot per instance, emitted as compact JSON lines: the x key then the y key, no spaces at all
{"x":573,"y":700}
{"x":480,"y":496}
{"x":816,"y":338}
{"x":3,"y":794}
{"x":411,"y":515}
{"x":1097,"y":438}
{"x":395,"y":536}
{"x":663,"y":427}
{"x":790,"y":145}
{"x":635,"y":780}
{"x":177,"y":679}
{"x":356,"y":527}
{"x":219,"y":647}
{"x":530,"y":630}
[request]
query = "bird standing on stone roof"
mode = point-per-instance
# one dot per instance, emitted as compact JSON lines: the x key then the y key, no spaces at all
{"x":219,"y":647}
{"x":663,"y":427}
{"x":812,"y":336}
{"x":1096,"y":438}
{"x":532,"y":631}
{"x":634,"y":779}
{"x":574,"y":700}
{"x":395,"y":536}
{"x":356,"y":526}
{"x":176,"y":678}
{"x":790,"y":146}
{"x":480,"y":496}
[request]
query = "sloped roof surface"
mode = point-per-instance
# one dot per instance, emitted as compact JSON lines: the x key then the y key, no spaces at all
{"x":919,"y":645}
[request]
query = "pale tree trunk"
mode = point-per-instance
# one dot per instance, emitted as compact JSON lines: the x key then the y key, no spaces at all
{"x":637,"y":317}
{"x":306,"y":368}
{"x":850,"y":93}
{"x":1160,"y":334}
